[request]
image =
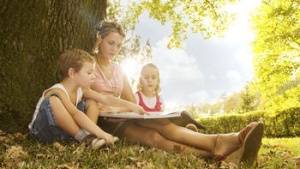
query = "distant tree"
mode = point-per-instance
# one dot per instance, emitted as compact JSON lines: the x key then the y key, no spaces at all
{"x":203,"y":107}
{"x":276,"y":47}
{"x":249,"y":99}
{"x":232,"y":103}
{"x":239,"y":102}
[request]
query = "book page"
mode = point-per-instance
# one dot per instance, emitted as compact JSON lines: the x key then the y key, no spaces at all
{"x":150,"y":115}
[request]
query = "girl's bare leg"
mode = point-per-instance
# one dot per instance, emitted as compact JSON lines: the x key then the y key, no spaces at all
{"x":62,"y":117}
{"x":146,"y":136}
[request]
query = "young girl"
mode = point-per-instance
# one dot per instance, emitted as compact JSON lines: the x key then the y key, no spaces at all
{"x":148,"y":96}
{"x":58,"y":114}
{"x":160,"y":134}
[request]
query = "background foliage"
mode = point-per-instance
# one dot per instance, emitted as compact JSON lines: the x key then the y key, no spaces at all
{"x":285,"y":124}
{"x":276,"y":48}
{"x":33,"y":35}
{"x":276,"y":83}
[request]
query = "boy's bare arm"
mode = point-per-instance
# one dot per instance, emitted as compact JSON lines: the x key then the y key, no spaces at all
{"x":113,"y":101}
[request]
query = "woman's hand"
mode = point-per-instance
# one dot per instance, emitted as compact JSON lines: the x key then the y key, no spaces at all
{"x":138,"y":109}
{"x":109,"y":109}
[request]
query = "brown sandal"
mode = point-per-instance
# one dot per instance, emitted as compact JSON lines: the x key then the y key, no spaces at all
{"x":250,"y":138}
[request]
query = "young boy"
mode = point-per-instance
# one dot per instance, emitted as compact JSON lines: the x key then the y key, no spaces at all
{"x":59,"y":112}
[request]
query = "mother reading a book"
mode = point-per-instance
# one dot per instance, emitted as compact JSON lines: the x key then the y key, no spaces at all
{"x":110,"y":79}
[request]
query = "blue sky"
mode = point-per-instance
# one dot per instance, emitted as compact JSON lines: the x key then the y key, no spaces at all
{"x":203,"y":69}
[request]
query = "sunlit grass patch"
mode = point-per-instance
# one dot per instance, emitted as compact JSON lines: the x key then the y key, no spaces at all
{"x":290,"y":144}
{"x":279,"y":152}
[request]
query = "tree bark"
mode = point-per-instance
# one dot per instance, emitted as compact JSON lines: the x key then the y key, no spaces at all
{"x":33,"y":35}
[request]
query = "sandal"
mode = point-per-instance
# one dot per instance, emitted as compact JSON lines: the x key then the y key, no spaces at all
{"x":250,"y":139}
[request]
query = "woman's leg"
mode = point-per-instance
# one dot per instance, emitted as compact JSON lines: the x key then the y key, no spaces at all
{"x":222,"y":144}
{"x":146,"y":136}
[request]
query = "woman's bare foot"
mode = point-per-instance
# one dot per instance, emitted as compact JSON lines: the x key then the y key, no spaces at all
{"x":226,"y":144}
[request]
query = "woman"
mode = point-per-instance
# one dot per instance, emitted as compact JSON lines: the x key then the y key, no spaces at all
{"x":159,"y":133}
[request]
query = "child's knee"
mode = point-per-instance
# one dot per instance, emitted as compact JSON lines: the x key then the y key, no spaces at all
{"x":92,"y":107}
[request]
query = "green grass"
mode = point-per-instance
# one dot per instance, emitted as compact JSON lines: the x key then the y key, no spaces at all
{"x":19,"y":151}
{"x":278,"y":153}
{"x":288,"y":144}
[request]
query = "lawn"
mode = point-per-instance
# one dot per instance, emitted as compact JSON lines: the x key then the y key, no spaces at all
{"x":19,"y":151}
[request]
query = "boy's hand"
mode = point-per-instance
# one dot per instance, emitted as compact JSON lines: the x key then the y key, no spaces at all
{"x":109,"y":139}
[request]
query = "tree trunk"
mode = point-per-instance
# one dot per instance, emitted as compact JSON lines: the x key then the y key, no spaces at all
{"x":33,"y":35}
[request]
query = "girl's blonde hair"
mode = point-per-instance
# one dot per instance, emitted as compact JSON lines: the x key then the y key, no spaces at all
{"x":140,"y":86}
{"x":73,"y":58}
{"x":104,"y":29}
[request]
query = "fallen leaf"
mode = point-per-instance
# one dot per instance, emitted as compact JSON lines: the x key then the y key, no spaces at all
{"x":59,"y":147}
{"x":79,"y":149}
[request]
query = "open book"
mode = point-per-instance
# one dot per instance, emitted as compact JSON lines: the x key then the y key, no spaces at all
{"x":150,"y":115}
{"x":181,"y":118}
